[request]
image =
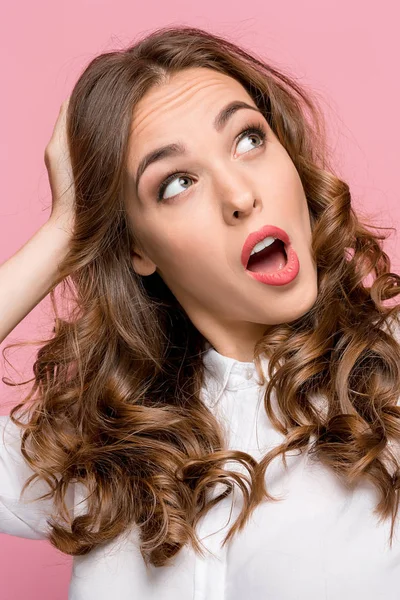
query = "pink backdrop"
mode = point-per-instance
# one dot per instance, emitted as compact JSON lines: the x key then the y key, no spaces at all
{"x":348,"y":52}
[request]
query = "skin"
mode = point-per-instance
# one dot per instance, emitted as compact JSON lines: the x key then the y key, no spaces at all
{"x":194,"y":240}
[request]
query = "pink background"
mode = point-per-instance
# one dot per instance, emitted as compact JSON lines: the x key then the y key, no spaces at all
{"x":348,"y":52}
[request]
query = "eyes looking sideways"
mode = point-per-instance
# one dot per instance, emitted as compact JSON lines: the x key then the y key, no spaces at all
{"x":250,"y":138}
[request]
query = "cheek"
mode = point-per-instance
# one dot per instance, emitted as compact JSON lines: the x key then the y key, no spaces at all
{"x":298,"y":215}
{"x":194,"y":263}
{"x":296,"y":205}
{"x":174,"y":251}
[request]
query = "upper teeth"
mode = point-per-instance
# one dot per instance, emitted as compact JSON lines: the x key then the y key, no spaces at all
{"x":263,"y":244}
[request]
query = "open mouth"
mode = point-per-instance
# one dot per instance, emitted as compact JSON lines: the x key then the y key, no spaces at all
{"x":269,"y":259}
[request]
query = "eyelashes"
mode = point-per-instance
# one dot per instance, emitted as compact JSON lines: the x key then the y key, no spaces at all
{"x":248,"y":130}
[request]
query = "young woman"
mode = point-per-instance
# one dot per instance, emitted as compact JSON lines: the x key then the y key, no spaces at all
{"x":216,"y":416}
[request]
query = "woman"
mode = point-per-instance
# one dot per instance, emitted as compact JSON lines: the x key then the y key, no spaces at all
{"x":217,"y":416}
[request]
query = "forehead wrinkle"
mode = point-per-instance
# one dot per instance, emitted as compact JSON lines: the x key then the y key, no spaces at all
{"x":178,"y":98}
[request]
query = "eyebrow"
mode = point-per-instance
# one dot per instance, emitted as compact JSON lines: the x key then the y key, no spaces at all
{"x":177,"y":149}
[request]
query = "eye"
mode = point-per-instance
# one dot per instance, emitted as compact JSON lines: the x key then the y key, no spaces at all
{"x":250,"y":131}
{"x":169,"y":181}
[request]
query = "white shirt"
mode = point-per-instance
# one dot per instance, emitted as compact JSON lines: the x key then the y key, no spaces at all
{"x":320,"y":542}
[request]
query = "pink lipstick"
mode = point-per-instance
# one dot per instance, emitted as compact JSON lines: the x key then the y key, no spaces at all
{"x":281,"y":276}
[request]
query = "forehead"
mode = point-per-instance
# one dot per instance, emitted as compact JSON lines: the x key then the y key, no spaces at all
{"x":188,"y":97}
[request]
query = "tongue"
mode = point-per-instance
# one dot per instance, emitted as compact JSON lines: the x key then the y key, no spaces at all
{"x":268,"y":260}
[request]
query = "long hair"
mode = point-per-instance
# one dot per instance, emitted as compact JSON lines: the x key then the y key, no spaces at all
{"x":116,"y":402}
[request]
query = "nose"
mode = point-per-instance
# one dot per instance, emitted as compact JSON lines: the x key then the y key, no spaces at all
{"x":237,"y":196}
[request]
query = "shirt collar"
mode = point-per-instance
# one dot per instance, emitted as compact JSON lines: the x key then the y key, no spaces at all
{"x":223,"y":373}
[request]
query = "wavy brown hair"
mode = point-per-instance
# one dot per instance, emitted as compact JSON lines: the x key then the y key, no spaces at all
{"x":116,"y":400}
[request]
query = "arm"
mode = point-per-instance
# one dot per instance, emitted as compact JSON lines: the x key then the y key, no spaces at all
{"x":24,"y":280}
{"x":27,"y":277}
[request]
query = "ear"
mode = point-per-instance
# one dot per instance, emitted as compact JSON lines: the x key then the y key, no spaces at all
{"x":142,"y":265}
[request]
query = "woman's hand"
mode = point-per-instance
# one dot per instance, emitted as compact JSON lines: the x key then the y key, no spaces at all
{"x":58,"y":164}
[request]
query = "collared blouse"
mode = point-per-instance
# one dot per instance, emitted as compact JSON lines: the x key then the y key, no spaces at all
{"x":320,"y":541}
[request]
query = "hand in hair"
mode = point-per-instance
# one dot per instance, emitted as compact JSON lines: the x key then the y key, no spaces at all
{"x":58,"y":164}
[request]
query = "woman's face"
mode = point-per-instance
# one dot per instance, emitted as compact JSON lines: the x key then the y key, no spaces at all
{"x":226,"y":188}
